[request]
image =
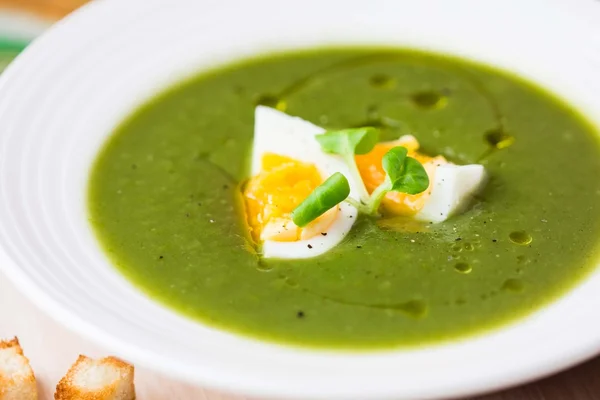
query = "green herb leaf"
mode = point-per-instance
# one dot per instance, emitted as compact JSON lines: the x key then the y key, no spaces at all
{"x":326,"y":196}
{"x":405,"y":174}
{"x":349,"y":141}
{"x":393,"y":163}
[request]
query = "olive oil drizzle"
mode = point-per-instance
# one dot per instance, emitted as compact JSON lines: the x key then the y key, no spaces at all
{"x":412,"y":308}
{"x":206,"y":157}
{"x":280,"y":101}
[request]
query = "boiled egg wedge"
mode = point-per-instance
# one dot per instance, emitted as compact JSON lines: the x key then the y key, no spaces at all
{"x":451,"y":187}
{"x":287,"y":165}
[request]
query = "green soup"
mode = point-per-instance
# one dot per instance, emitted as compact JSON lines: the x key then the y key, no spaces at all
{"x":164,"y":199}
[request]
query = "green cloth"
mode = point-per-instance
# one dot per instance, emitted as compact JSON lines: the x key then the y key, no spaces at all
{"x":8,"y":51}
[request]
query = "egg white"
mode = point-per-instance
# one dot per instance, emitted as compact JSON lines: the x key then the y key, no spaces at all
{"x":278,"y":133}
{"x":453,"y":189}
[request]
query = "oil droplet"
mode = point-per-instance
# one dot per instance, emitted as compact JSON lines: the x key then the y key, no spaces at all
{"x":429,"y":99}
{"x":523,"y":260}
{"x":469,"y":247}
{"x":272,"y":101}
{"x":414,"y":308}
{"x":457,"y":247}
{"x":373,"y":113}
{"x":463,"y":268}
{"x":290,"y":282}
{"x":382,"y":81}
{"x":520,"y":237}
{"x":263,"y":267}
{"x":499,"y":139}
{"x":512,"y":285}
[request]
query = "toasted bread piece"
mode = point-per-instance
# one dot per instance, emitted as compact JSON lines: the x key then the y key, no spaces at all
{"x":105,"y":379}
{"x":17,"y":381}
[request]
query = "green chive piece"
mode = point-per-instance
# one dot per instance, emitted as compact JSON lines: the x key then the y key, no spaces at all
{"x":326,"y":196}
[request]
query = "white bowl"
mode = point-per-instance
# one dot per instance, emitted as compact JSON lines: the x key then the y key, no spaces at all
{"x":63,"y":96}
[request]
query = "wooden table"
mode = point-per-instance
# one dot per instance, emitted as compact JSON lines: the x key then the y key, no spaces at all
{"x":52,"y":349}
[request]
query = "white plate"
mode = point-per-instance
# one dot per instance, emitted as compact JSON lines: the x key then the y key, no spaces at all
{"x":64,"y":95}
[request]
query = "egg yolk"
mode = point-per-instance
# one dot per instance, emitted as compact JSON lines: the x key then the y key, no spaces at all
{"x":373,"y":175}
{"x":271,"y":196}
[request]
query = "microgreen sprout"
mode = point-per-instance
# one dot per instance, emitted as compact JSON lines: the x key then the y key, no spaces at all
{"x":404,"y":174}
{"x":347,"y":143}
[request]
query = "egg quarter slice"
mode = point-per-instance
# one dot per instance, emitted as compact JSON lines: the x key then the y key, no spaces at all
{"x":278,"y":133}
{"x":451,"y":187}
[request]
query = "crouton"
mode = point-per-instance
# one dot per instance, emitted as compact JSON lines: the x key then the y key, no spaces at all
{"x":105,"y":379}
{"x":17,"y":381}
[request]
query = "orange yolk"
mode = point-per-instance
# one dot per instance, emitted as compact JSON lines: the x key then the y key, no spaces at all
{"x":271,"y":196}
{"x":373,"y":175}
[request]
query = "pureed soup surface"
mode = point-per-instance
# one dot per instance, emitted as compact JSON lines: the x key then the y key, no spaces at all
{"x":165,"y":201}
